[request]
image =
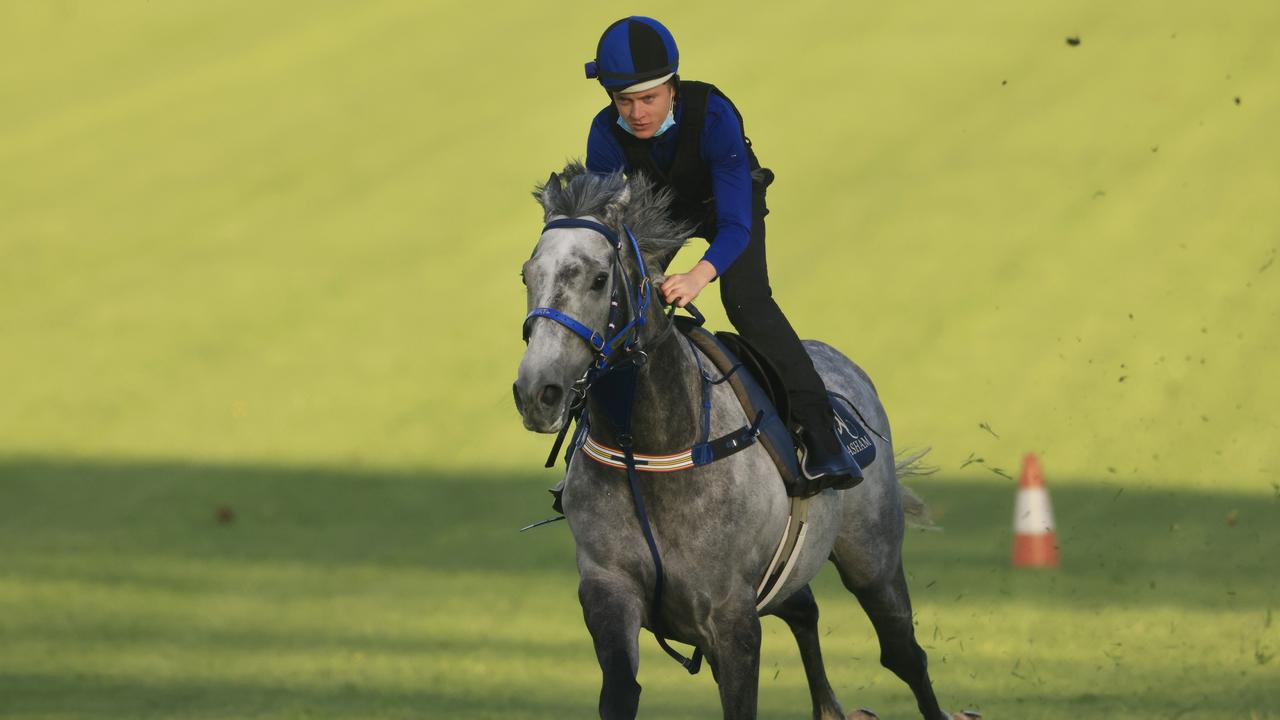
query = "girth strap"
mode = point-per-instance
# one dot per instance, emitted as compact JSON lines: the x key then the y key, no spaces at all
{"x":784,"y":559}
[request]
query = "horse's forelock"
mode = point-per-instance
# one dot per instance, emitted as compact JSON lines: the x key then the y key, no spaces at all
{"x":576,"y":192}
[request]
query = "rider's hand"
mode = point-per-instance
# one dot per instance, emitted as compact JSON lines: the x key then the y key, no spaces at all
{"x":683,"y":288}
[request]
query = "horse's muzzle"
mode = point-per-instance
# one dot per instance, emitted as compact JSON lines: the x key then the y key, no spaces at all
{"x":540,"y":404}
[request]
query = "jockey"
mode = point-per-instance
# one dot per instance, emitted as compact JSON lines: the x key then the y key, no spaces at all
{"x":689,"y":137}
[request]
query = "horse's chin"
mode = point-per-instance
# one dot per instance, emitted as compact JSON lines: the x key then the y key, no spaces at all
{"x":544,"y":425}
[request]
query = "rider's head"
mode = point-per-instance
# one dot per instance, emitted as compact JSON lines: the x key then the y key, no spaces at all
{"x":636,"y":62}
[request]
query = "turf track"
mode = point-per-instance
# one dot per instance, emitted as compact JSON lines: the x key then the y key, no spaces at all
{"x":265,"y":255}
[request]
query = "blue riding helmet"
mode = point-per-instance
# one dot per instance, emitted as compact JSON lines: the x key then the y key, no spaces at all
{"x":633,"y":50}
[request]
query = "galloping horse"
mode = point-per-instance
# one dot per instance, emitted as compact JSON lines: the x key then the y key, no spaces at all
{"x":716,"y":525}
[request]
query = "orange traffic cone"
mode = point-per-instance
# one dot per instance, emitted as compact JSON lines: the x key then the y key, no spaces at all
{"x":1035,"y":544}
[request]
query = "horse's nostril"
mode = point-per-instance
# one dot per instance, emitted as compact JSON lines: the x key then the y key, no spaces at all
{"x":550,"y":395}
{"x":516,"y":392}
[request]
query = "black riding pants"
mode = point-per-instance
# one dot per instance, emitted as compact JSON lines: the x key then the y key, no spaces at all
{"x":748,"y":301}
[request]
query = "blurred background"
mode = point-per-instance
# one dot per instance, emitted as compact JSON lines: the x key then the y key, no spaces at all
{"x":260,"y":308}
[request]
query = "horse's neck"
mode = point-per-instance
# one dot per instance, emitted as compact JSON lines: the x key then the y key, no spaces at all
{"x":667,"y":401}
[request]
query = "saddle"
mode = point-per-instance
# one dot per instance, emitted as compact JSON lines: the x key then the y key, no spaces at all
{"x":759,"y":387}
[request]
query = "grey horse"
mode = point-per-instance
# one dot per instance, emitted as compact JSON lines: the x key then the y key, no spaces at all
{"x":717,"y":525}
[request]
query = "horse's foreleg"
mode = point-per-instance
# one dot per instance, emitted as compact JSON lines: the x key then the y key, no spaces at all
{"x":612,"y":613}
{"x":800,"y":613}
{"x":733,"y":650}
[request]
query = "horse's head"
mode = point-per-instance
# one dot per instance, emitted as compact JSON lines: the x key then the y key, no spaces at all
{"x":571,"y":271}
{"x":577,"y":272}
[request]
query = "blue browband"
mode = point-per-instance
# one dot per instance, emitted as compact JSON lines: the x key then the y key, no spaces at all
{"x":604,"y":345}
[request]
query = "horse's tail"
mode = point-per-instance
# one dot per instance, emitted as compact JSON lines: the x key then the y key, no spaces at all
{"x":910,"y":463}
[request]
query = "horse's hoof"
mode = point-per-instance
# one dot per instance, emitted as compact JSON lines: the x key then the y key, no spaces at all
{"x":862,"y":714}
{"x":966,"y":715}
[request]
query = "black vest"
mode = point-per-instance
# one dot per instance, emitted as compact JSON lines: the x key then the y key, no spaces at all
{"x":690,"y":176}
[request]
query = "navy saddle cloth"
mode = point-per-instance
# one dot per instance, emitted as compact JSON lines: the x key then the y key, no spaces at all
{"x":852,"y":432}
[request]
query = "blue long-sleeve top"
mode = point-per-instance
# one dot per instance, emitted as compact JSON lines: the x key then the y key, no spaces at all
{"x":722,"y":149}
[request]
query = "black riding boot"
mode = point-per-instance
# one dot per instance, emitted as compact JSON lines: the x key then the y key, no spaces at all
{"x":824,"y":459}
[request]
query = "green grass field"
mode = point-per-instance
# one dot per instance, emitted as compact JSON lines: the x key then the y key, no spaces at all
{"x":265,"y":256}
{"x":361,"y":594}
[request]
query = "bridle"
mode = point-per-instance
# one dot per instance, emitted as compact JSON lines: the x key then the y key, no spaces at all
{"x":607,"y":343}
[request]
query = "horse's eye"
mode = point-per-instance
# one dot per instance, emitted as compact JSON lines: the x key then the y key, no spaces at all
{"x":601,"y":279}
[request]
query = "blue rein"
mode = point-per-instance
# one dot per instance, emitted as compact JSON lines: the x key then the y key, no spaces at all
{"x":605,"y":344}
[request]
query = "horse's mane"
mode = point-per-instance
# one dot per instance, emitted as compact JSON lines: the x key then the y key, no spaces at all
{"x":574,"y":192}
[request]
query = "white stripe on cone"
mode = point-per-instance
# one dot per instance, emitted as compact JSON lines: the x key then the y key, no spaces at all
{"x":1032,"y":514}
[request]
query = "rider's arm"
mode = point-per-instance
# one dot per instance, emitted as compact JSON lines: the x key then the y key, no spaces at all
{"x":726,"y":153}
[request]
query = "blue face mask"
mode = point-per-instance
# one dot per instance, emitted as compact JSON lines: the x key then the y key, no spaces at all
{"x":666,"y":124}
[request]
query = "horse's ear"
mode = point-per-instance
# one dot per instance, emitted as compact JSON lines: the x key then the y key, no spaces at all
{"x":617,"y":207}
{"x":545,"y":195}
